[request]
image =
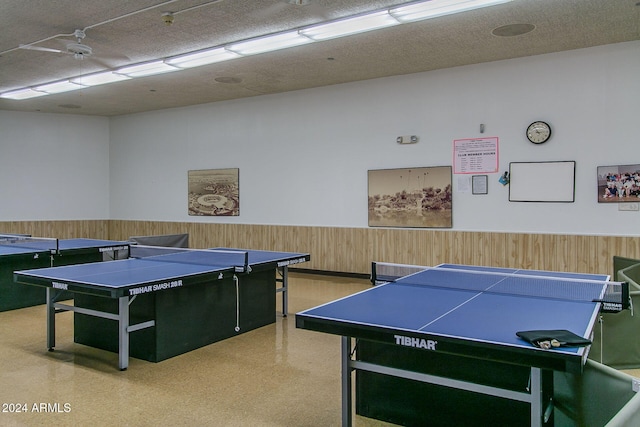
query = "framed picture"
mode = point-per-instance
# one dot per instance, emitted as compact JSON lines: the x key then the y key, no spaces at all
{"x":553,"y":181}
{"x":412,"y":197}
{"x":479,"y":184}
{"x":214,"y":192}
{"x":619,"y":184}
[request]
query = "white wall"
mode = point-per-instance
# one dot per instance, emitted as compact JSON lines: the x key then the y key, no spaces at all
{"x":303,"y":156}
{"x":53,"y":167}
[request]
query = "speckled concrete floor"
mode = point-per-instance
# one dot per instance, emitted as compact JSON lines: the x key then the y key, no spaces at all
{"x":273,"y":376}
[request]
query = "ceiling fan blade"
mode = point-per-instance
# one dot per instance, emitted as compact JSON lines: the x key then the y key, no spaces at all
{"x":42,"y":49}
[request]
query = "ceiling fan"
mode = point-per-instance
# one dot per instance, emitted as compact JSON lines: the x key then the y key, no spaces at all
{"x":78,"y":49}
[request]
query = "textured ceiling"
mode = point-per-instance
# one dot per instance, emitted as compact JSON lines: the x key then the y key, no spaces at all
{"x":118,"y":37}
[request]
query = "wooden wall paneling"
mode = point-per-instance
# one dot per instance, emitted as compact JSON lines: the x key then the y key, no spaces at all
{"x":212,"y":235}
{"x":329,"y":251}
{"x":435,"y":247}
{"x":480,"y":249}
{"x":471,"y":251}
{"x":523,"y":250}
{"x":537,"y":251}
{"x":362,"y":248}
{"x":273,"y":239}
{"x":586,"y":255}
{"x":548,"y":256}
{"x":486,"y":249}
{"x":192,"y":229}
{"x":441,"y":247}
{"x":289,"y":239}
{"x":247,"y":237}
{"x":419,"y":251}
{"x":378,"y":241}
{"x":630,"y":247}
{"x":458,"y":247}
{"x":496,"y":247}
{"x":388,"y":246}
{"x":351,"y":250}
{"x":342,"y":249}
{"x":556,"y":257}
{"x":608,"y":246}
{"x":444,"y":247}
{"x":401,"y":246}
{"x":420,"y":248}
{"x":565,"y":253}
{"x":229,"y":235}
{"x":95,"y":229}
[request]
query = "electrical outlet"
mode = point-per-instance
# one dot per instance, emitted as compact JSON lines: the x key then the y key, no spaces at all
{"x":635,"y":384}
{"x":628,"y":206}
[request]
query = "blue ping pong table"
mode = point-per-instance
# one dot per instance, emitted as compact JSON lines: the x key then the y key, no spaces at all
{"x":441,"y":341}
{"x":25,"y":252}
{"x":166,"y":300}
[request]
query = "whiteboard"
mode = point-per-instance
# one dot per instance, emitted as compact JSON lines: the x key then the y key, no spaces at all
{"x":542,"y":181}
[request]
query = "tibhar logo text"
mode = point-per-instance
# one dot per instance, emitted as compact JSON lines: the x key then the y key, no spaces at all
{"x":416,"y":342}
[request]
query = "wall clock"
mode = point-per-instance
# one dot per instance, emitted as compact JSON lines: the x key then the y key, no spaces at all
{"x":538,"y":132}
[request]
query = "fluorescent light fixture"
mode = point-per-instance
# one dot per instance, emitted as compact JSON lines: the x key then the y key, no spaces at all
{"x":100,"y":78}
{"x":209,"y":56}
{"x":269,"y":43}
{"x":435,"y":8}
{"x":22,"y":94}
{"x":345,"y":27}
{"x":146,"y":69}
{"x":59,"y":87}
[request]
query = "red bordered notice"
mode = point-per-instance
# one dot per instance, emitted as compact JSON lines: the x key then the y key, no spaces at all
{"x":475,"y":155}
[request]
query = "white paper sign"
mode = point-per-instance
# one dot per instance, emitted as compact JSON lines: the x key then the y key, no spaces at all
{"x":475,"y":155}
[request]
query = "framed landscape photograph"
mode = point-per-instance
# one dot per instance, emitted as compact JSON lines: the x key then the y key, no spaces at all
{"x":411,"y":197}
{"x":214,"y":192}
{"x":619,"y":184}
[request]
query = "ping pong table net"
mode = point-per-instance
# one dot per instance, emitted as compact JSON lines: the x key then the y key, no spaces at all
{"x":28,"y":242}
{"x":237,"y":259}
{"x":613,"y":296}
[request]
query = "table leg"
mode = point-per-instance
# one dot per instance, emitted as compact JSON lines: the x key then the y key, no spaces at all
{"x":536,"y":397}
{"x":285,"y":289}
{"x":123,"y":333}
{"x":346,"y":382}
{"x":284,"y":274}
{"x":51,"y":320}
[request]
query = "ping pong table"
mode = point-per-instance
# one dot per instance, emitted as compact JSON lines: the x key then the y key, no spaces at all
{"x":19,"y":252}
{"x":438,"y":346}
{"x":162,"y":302}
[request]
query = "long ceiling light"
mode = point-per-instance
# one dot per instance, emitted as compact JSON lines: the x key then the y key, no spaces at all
{"x":146,"y":69}
{"x":59,"y":87}
{"x":205,"y":57}
{"x":269,"y":43}
{"x":350,"y":26}
{"x":409,"y":12}
{"x":20,"y":94}
{"x":100,"y":78}
{"x":433,"y":9}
